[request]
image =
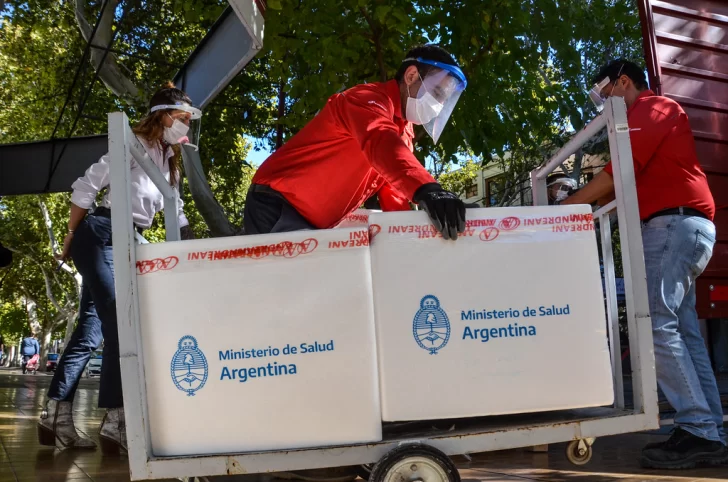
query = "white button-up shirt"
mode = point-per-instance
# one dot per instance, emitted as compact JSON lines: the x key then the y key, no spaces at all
{"x":146,"y":200}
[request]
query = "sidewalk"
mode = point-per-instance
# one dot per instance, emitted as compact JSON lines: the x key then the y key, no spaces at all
{"x":22,"y":459}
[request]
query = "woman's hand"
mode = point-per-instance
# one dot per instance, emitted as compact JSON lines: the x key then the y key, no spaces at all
{"x":66,"y":253}
{"x":77,"y":216}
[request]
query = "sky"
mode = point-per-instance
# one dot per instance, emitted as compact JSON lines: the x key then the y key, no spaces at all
{"x":256,"y":158}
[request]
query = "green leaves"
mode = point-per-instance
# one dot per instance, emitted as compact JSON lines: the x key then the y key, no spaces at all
{"x":40,"y":49}
{"x":23,"y":230}
{"x":461,"y":179}
{"x":380,"y":13}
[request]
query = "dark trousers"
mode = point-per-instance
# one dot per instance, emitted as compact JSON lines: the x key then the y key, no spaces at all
{"x":267,"y":211}
{"x":91,"y":250}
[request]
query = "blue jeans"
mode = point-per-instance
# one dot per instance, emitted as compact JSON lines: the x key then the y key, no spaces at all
{"x":91,"y":251}
{"x":677,"y":250}
{"x":85,"y":339}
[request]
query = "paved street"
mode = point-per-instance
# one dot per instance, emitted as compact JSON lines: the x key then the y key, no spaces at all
{"x":22,"y":459}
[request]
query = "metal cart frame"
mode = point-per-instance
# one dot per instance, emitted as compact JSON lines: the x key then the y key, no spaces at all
{"x":470,"y":435}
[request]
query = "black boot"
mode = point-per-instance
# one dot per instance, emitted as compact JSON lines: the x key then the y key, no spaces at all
{"x":654,"y":445}
{"x":684,"y":450}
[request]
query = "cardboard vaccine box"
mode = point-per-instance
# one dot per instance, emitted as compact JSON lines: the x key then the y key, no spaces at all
{"x":258,"y":343}
{"x":507,"y":319}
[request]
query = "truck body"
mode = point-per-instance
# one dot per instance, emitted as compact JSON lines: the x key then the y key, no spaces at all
{"x":686,"y":52}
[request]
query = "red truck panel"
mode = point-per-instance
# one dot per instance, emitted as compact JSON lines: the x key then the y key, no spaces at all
{"x":686,"y":50}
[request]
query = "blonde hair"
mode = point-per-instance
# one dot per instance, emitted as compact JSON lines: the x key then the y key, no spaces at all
{"x":151,"y":127}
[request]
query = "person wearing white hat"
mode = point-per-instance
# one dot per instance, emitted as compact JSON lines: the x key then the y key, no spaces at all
{"x":560,"y":186}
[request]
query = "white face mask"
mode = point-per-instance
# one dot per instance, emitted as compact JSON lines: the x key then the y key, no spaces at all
{"x":423,"y":110}
{"x":561,"y":195}
{"x":178,"y":130}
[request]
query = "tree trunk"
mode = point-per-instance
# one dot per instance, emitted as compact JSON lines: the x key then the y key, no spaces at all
{"x":44,"y":339}
{"x":30,"y":309}
{"x":12,"y":356}
{"x":49,"y":226}
{"x":65,"y":267}
{"x":70,"y":324}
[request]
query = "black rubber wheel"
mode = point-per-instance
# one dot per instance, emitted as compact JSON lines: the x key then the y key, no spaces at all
{"x":415,"y":462}
{"x":364,"y":471}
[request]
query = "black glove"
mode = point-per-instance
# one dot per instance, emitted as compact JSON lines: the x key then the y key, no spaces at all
{"x":445,"y":209}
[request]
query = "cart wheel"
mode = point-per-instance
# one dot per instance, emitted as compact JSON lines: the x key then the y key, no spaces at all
{"x":415,"y":462}
{"x":579,"y":452}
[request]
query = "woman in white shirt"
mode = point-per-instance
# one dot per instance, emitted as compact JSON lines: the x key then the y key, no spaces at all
{"x":89,"y":244}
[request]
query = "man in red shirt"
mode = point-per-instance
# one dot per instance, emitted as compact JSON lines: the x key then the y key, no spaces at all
{"x":677,"y":209}
{"x":359,"y":145}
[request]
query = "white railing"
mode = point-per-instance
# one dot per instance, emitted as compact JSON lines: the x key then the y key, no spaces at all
{"x":639,"y":325}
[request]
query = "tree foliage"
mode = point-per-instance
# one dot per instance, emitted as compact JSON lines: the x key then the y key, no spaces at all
{"x":41,"y":48}
{"x":462,"y":179}
{"x":34,"y":285}
{"x":528,"y":63}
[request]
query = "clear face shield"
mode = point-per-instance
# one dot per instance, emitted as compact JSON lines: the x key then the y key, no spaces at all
{"x":436,"y":97}
{"x":595,"y":94}
{"x":186,"y":123}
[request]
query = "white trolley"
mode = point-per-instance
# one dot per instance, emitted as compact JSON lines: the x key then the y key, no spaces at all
{"x":423,"y":452}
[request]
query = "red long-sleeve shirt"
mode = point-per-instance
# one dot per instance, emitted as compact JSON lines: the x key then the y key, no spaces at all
{"x":358,"y":145}
{"x":666,"y":167}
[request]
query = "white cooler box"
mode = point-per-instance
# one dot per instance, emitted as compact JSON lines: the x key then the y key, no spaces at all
{"x":259,"y":342}
{"x":507,"y":319}
{"x":358,"y":218}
